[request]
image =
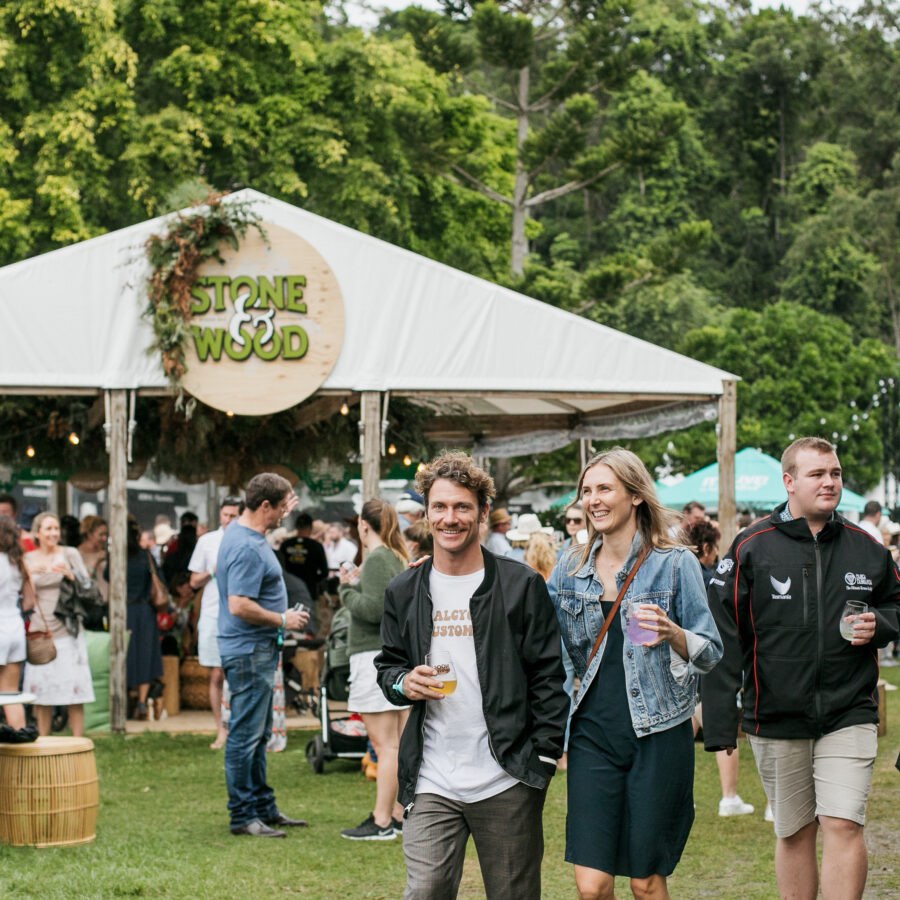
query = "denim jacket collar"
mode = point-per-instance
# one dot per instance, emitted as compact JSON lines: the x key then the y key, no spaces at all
{"x":587,"y":570}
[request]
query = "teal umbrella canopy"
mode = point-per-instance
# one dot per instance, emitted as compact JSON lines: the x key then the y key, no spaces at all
{"x":757,"y":485}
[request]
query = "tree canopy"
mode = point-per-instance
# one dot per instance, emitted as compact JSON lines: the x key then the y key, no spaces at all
{"x":718,"y":180}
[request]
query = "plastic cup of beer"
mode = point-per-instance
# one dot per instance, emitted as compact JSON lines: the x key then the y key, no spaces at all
{"x":444,"y":671}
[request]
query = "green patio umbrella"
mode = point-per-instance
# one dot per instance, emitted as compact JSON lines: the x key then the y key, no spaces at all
{"x":757,"y":485}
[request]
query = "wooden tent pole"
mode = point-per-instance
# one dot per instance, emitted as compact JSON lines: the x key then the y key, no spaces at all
{"x":370,"y":409}
{"x":118,"y":556}
{"x":726,"y":449}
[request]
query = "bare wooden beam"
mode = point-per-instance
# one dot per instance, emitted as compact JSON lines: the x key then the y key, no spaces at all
{"x":726,"y":449}
{"x":118,"y":557}
{"x":371,"y":443}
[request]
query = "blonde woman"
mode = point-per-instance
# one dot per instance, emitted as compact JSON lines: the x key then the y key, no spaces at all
{"x":631,"y":754}
{"x":66,"y":681}
{"x":362,"y":593}
{"x":540,"y":554}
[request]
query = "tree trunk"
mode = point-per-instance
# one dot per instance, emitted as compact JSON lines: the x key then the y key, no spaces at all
{"x":782,"y":167}
{"x":894,"y":308}
{"x":501,"y":472}
{"x":520,"y":190}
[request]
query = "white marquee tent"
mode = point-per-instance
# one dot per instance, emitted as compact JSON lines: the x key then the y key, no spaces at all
{"x":508,"y":373}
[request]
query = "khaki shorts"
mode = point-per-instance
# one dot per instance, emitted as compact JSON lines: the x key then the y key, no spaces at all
{"x":804,"y":779}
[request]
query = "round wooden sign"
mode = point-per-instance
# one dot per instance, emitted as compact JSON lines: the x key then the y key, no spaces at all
{"x":266,"y":327}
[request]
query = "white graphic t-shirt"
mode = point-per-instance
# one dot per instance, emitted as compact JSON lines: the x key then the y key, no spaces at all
{"x":456,"y":759}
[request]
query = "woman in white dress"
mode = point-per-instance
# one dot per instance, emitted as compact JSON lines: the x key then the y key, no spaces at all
{"x":13,"y":585}
{"x":66,"y":681}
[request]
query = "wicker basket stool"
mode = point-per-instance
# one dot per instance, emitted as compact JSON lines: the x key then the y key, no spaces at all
{"x":48,"y":792}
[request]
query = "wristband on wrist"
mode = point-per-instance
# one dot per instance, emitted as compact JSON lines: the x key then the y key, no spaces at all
{"x":398,"y":685}
{"x":283,"y":620}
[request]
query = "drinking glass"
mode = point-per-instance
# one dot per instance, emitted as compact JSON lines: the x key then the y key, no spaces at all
{"x":444,"y":671}
{"x":853,"y":609}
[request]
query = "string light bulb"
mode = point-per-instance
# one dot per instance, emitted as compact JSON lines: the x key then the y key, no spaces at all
{"x":345,"y":410}
{"x":392,"y":449}
{"x":29,"y":451}
{"x":407,"y":460}
{"x":420,"y":466}
{"x":229,"y":413}
{"x":74,"y":440}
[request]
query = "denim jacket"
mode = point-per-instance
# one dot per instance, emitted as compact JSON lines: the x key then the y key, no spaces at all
{"x":662,"y":687}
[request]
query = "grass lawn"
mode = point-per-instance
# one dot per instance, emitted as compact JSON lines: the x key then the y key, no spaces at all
{"x":162,"y":832}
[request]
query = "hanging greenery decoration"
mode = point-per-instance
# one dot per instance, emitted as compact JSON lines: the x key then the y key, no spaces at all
{"x":175,"y":258}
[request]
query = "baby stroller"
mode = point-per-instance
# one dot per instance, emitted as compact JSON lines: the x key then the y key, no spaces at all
{"x":305,"y":700}
{"x":340,"y":738}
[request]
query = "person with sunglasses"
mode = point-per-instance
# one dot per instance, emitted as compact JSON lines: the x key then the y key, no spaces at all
{"x":574,"y":522}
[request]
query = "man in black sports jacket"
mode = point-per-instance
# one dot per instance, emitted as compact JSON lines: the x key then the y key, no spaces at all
{"x":809,"y":694}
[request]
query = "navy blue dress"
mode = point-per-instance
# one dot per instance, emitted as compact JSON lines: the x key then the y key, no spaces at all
{"x":143,"y":663}
{"x":630,"y":799}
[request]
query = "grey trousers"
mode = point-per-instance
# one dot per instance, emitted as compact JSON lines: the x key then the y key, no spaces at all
{"x":509,"y":836}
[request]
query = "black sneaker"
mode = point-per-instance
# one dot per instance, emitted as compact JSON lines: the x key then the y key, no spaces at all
{"x":397,"y":825}
{"x":369,"y":831}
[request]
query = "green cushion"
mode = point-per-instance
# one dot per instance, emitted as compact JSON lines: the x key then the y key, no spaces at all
{"x":96,"y":714}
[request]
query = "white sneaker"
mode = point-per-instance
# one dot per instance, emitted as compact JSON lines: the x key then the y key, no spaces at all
{"x":734,"y":806}
{"x":769,"y":816}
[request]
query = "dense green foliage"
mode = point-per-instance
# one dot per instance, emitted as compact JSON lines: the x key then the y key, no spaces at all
{"x":721,"y":181}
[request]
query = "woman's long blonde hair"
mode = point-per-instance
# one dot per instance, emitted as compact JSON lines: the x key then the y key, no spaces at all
{"x":655,"y":523}
{"x":382,"y":519}
{"x":540,"y":555}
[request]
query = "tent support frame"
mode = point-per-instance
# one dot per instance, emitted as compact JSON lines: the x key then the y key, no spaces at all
{"x":117,"y":406}
{"x":726,"y":441}
{"x":371,"y":440}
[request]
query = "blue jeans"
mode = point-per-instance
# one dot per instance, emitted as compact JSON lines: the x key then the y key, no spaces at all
{"x":250,"y":678}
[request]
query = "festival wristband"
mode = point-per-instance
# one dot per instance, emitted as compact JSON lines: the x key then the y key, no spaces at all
{"x":398,"y":685}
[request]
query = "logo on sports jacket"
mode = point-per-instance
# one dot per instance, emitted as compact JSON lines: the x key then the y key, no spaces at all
{"x":781,"y":588}
{"x":856,"y":581}
{"x":725,"y":566}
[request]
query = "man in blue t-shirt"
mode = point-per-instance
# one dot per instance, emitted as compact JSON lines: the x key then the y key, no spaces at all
{"x":252,"y":614}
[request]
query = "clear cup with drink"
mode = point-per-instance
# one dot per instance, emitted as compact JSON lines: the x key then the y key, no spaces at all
{"x":444,"y":671}
{"x":634,"y":629}
{"x":853,"y":609}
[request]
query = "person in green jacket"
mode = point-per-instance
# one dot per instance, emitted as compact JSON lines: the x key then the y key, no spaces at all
{"x":362,"y":593}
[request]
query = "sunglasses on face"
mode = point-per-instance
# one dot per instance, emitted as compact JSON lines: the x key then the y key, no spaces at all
{"x":569,"y":521}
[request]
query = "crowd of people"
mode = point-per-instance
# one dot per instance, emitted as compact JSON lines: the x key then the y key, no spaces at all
{"x":470,"y":654}
{"x":487,"y":653}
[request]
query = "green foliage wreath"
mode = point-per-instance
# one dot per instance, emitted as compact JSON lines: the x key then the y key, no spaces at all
{"x":175,"y":259}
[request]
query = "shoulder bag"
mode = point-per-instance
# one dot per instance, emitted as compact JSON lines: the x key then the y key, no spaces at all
{"x":615,"y":608}
{"x":159,"y":596}
{"x":40,"y":648}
